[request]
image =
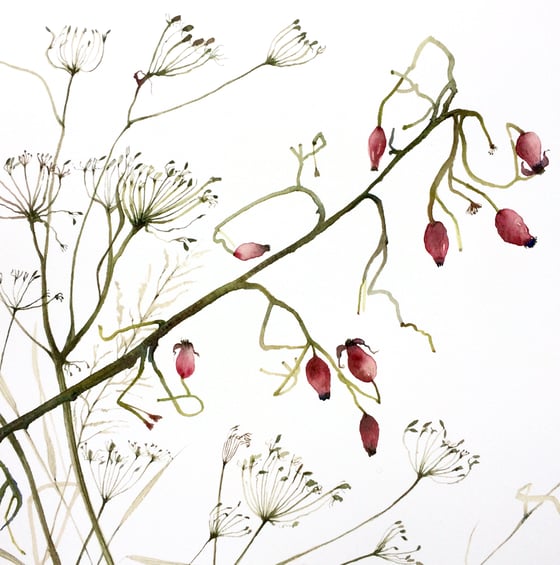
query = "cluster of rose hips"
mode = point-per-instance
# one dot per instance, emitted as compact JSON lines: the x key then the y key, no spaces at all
{"x":360,"y":364}
{"x":510,"y":224}
{"x":364,"y":368}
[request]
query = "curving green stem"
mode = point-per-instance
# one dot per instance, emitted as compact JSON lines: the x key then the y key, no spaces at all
{"x":452,"y":179}
{"x":29,"y":474}
{"x":132,"y":121}
{"x":450,"y":87}
{"x":43,"y":82}
{"x":380,"y":249}
{"x":74,"y":337}
{"x":517,"y":177}
{"x":170,"y":396}
{"x":526,"y":515}
{"x":273,"y":301}
{"x":402,"y":323}
{"x":290,"y":190}
{"x":445,"y":167}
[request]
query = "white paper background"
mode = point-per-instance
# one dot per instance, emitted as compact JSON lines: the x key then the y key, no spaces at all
{"x":492,"y":309}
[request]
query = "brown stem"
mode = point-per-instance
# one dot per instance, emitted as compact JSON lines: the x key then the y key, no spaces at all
{"x":129,"y":359}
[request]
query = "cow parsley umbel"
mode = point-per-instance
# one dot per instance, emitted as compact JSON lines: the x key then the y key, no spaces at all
{"x":433,"y":455}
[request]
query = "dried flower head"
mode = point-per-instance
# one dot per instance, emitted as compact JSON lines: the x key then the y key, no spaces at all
{"x":102,"y":179}
{"x":178,"y":52}
{"x":433,"y":455}
{"x":30,"y":191}
{"x":388,"y":549}
{"x":473,"y":208}
{"x":74,"y":50}
{"x":155,"y":199}
{"x":225,"y":522}
{"x":291,"y":47}
{"x":277,"y":489}
{"x":116,"y":470}
{"x":233,"y":443}
{"x":15,"y":298}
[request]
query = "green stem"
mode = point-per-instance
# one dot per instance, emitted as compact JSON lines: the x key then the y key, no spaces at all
{"x":402,"y":323}
{"x":283,"y":192}
{"x":86,"y":541}
{"x":71,"y":299}
{"x":170,"y":396}
{"x":450,"y":86}
{"x":516,"y":178}
{"x":51,"y":548}
{"x":470,"y":187}
{"x":354,"y":528}
{"x":193,"y":100}
{"x":12,"y":318}
{"x":273,"y":301}
{"x":43,"y":254}
{"x":73,"y":340}
{"x":191,"y":561}
{"x":380,"y":249}
{"x":215,"y":548}
{"x":526,"y":515}
{"x":43,"y":81}
{"x":16,"y":445}
{"x":356,"y":559}
{"x":445,"y":167}
{"x":257,"y":532}
{"x":78,"y":471}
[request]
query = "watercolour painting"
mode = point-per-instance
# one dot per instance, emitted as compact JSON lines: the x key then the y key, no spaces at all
{"x":279,"y":283}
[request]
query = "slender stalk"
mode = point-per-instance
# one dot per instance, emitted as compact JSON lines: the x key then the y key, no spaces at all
{"x":44,"y":83}
{"x":200,"y":551}
{"x":27,"y":467}
{"x":43,"y":253}
{"x":12,"y":318}
{"x":34,"y":495}
{"x":356,"y":527}
{"x":75,"y":338}
{"x":257,"y":532}
{"x":215,"y":543}
{"x":447,"y":164}
{"x":78,"y":471}
{"x":197,"y":99}
{"x":70,"y":338}
{"x":526,"y":515}
{"x":88,"y":537}
{"x":356,"y":559}
{"x":57,"y":357}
